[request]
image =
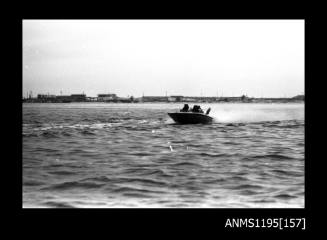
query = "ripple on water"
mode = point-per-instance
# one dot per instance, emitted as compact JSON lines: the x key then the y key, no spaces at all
{"x":109,"y":155}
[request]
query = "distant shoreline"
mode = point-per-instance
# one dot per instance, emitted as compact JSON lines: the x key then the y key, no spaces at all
{"x":113,"y":98}
{"x":181,"y":102}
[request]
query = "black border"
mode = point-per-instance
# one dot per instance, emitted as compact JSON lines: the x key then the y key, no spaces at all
{"x":208,"y":219}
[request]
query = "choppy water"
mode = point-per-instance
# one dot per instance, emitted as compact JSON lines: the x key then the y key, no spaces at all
{"x":133,"y":155}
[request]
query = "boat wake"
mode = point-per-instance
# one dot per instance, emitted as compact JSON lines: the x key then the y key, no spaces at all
{"x":244,"y":114}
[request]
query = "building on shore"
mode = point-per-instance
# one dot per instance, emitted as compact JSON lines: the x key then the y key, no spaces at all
{"x":189,"y":99}
{"x":107,"y":97}
{"x":78,"y":97}
{"x":175,"y":98}
{"x":125,"y":99}
{"x":91,"y":99}
{"x":46,"y":98}
{"x":154,"y":99}
{"x":63,"y":98}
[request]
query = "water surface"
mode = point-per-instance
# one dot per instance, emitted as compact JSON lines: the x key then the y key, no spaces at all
{"x":133,"y":155}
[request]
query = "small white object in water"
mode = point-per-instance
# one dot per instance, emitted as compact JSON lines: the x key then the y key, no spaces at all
{"x":171,"y":148}
{"x":153,"y":131}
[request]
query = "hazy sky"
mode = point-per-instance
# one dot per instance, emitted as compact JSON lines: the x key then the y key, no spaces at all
{"x":182,"y":57}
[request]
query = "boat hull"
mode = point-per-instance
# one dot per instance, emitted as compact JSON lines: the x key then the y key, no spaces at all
{"x":190,"y":118}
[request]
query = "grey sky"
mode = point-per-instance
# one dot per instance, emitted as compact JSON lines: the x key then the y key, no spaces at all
{"x":182,"y":57}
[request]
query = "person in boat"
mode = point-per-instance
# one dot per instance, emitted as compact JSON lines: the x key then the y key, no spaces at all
{"x":197,"y":108}
{"x":185,"y":108}
{"x":207,"y":112}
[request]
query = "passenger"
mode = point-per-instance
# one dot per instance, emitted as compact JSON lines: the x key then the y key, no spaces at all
{"x":185,"y":108}
{"x":196,"y":108}
{"x":209,"y":109}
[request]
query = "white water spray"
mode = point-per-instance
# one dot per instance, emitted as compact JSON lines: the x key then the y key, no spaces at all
{"x":239,"y":113}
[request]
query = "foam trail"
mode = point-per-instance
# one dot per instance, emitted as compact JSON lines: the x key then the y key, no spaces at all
{"x":240,"y":113}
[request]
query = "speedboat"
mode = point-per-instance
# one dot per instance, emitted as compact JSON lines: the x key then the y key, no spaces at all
{"x":190,"y":117}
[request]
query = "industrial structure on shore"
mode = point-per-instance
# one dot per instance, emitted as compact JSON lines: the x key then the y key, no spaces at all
{"x":111,"y":97}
